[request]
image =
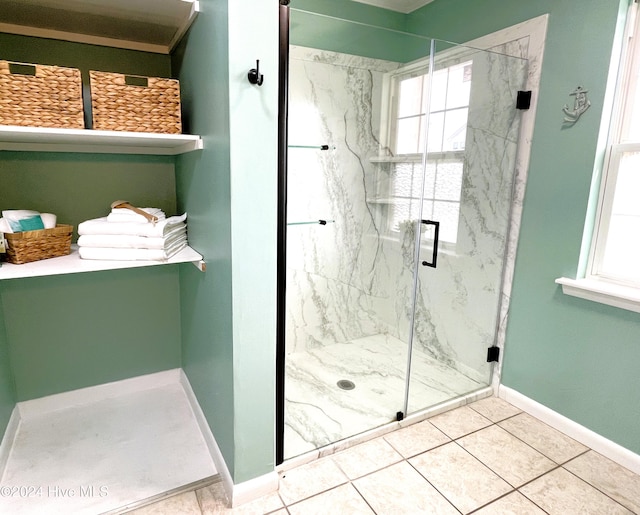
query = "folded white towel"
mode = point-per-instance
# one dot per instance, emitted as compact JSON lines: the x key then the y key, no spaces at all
{"x":111,"y":254}
{"x":102,"y":226}
{"x":122,"y":215}
{"x":125,"y":241}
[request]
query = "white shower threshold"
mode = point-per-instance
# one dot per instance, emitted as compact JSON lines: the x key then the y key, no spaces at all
{"x":103,"y":449}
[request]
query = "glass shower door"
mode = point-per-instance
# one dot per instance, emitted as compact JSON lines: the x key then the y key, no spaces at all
{"x":469,"y":178}
{"x":401,"y":151}
{"x":347,"y":286}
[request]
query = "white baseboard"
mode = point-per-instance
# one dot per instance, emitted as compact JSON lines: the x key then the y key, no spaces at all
{"x":212,"y":445}
{"x":238,"y":493}
{"x":255,"y":488}
{"x":7,"y":440}
{"x":585,"y":436}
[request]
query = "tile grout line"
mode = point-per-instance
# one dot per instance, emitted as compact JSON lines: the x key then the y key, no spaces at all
{"x":433,"y":486}
{"x":594,"y":486}
{"x":538,"y":450}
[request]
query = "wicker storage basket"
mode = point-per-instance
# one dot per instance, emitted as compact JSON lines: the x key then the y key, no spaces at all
{"x":28,"y":246}
{"x":119,"y":105}
{"x":35,"y":95}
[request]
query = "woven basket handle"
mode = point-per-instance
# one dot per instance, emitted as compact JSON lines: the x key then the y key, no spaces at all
{"x":123,"y":204}
{"x":22,"y":69}
{"x":134,"y":80}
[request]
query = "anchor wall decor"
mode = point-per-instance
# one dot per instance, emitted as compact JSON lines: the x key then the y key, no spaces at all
{"x":580,"y":105}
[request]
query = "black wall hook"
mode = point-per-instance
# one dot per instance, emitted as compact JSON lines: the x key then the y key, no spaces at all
{"x":254,"y":75}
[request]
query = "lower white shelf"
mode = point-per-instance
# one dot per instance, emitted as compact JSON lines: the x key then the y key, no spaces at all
{"x":72,"y":264}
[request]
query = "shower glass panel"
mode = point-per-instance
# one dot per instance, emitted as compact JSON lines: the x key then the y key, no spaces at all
{"x":386,"y":129}
{"x":469,"y":177}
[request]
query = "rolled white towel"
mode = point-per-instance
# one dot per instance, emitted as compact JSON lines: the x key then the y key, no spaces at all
{"x":5,"y":227}
{"x":102,"y":226}
{"x":49,"y":220}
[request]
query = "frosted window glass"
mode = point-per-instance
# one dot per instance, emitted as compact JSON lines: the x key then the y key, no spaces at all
{"x":430,"y":180}
{"x":449,"y":182}
{"x":406,"y":180}
{"x":404,"y":211}
{"x":447,"y":213}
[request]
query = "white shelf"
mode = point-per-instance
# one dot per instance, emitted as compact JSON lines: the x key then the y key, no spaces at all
{"x":72,"y":264}
{"x":104,"y":142}
{"x":145,"y":25}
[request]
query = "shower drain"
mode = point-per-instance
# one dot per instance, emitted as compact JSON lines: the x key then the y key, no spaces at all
{"x":345,"y":384}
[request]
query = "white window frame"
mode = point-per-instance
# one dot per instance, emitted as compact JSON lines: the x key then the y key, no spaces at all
{"x":416,"y":69}
{"x":595,"y":284}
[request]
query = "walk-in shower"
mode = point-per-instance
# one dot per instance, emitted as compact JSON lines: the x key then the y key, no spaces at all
{"x":401,"y":153}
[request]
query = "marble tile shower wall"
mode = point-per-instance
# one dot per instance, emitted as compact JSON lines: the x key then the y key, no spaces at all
{"x":334,"y":99}
{"x":354,"y":277}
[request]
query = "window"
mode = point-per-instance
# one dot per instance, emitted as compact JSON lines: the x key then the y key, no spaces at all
{"x":615,"y":255}
{"x":612,"y":274}
{"x":448,"y":105}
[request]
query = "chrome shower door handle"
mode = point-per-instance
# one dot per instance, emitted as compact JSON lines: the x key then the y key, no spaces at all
{"x":434,"y":257}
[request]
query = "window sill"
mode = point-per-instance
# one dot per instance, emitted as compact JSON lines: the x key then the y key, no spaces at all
{"x":617,"y":295}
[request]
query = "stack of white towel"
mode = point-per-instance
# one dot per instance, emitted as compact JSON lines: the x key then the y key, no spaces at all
{"x":124,"y":235}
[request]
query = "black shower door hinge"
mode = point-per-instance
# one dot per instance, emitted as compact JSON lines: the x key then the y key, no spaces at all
{"x":493,"y":353}
{"x":523,"y":100}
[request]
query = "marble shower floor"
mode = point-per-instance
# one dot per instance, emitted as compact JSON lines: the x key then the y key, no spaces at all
{"x":485,"y":458}
{"x":105,"y":454}
{"x":318,"y":412}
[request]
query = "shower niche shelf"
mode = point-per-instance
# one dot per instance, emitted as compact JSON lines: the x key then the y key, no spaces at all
{"x":417,"y":158}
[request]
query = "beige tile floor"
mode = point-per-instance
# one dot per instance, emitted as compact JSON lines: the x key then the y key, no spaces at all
{"x":484,"y":458}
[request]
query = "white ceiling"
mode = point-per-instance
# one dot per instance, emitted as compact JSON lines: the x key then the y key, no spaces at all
{"x":403,"y":6}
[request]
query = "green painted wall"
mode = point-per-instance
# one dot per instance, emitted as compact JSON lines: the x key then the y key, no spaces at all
{"x":69,"y":332}
{"x":203,"y":187}
{"x":7,"y":388}
{"x":254,"y":201}
{"x":350,"y":11}
{"x":355,"y":35}
{"x":577,"y":357}
{"x":229,"y":190}
{"x":77,"y":187}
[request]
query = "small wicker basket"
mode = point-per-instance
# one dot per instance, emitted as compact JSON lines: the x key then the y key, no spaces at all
{"x":133,"y":103}
{"x":35,"y":95}
{"x":29,"y":246}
